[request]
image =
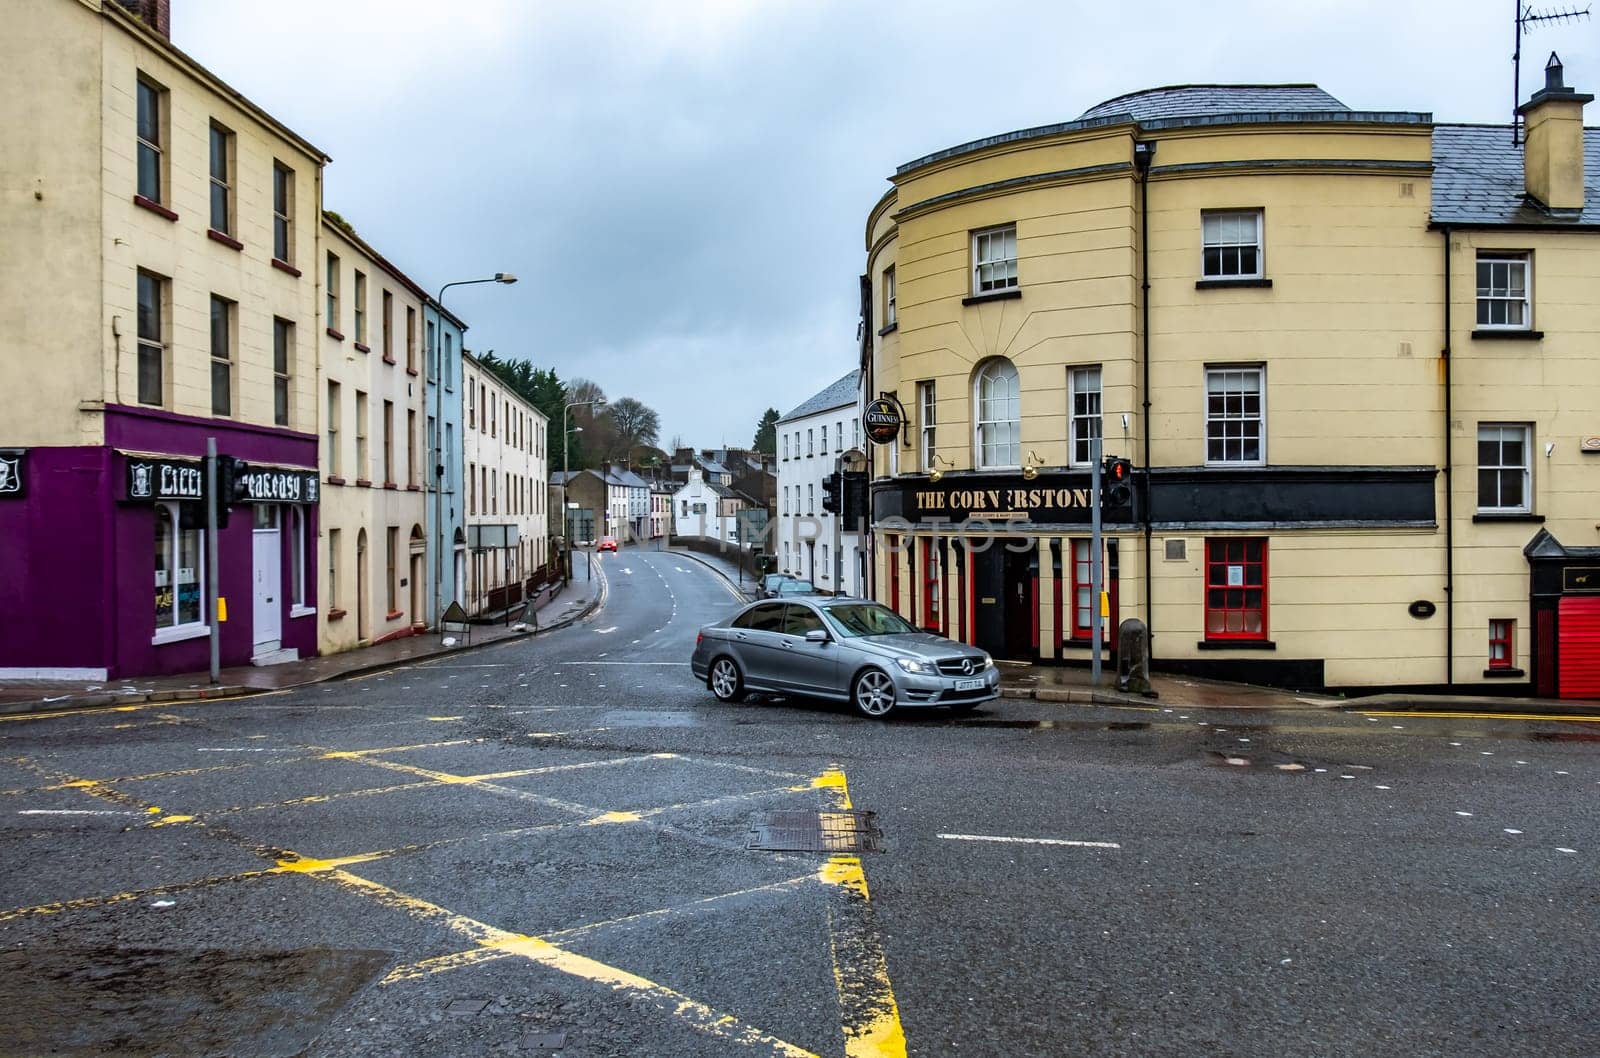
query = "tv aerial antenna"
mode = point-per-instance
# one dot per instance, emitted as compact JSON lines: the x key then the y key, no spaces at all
{"x":1527,"y":18}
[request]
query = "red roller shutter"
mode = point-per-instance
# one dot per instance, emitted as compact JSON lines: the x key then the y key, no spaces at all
{"x":1580,"y":646}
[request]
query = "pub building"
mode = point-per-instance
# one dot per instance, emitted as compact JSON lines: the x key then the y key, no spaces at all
{"x":160,"y":288}
{"x":1365,"y":434}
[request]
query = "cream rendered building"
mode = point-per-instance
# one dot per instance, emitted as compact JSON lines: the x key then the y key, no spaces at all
{"x":157,"y":289}
{"x":375,"y":578}
{"x":1354,"y":349}
{"x":507,"y":478}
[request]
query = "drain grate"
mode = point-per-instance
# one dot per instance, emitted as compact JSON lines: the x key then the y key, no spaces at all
{"x":797,"y":831}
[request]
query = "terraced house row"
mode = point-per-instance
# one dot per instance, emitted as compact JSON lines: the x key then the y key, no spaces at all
{"x":1350,"y":353}
{"x":170,"y":276}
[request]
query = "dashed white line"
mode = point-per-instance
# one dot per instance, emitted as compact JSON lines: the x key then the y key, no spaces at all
{"x":1032,"y":841}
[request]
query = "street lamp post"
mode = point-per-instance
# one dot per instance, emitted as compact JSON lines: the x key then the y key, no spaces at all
{"x":438,"y":435}
{"x":566,"y":477}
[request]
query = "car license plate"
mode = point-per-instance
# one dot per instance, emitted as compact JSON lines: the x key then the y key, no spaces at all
{"x":969,"y":685}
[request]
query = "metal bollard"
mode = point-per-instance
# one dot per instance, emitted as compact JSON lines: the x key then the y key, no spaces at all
{"x":1133,"y":658}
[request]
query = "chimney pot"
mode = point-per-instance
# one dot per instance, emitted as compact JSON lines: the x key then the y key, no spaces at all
{"x":1553,"y":81}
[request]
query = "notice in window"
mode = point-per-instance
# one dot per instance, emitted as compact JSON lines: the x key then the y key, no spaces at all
{"x":1235,"y":576}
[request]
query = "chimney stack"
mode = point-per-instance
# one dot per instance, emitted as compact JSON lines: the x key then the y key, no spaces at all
{"x":154,"y":13}
{"x":1552,"y":153}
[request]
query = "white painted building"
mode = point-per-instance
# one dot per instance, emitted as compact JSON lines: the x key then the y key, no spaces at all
{"x":705,"y":509}
{"x":812,"y":441}
{"x":505,"y":474}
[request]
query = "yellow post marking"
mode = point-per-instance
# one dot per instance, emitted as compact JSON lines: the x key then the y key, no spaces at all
{"x":833,"y":779}
{"x":868,"y":1012}
{"x":442,"y":719}
{"x":692,"y":1012}
{"x":614,"y":817}
{"x":1420,"y":714}
{"x":306,"y":865}
{"x":167,"y":821}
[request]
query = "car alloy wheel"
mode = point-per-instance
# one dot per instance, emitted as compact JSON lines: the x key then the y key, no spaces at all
{"x":874,"y":693}
{"x":725,"y":681}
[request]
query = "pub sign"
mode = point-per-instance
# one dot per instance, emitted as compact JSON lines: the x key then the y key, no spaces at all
{"x":882,"y":420}
{"x":155,"y":480}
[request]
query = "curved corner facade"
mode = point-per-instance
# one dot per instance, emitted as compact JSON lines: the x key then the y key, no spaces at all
{"x":1355,"y":396}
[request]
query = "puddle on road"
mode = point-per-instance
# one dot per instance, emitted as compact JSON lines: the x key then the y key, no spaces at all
{"x":1047,"y":725}
{"x":1561,"y":736}
{"x":135,"y":1001}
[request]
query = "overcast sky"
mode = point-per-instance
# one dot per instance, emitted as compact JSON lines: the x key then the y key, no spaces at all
{"x":682,"y":186}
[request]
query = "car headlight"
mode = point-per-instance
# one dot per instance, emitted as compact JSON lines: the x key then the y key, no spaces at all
{"x":921,"y":668}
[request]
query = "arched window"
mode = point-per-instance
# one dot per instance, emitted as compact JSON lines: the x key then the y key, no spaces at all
{"x":999,"y":428}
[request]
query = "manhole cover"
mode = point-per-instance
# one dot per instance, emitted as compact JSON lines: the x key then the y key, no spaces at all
{"x":795,"y":831}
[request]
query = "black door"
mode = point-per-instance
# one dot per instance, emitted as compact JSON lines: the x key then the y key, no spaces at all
{"x":988,"y":598}
{"x":1019,"y":603}
{"x":1004,"y":603}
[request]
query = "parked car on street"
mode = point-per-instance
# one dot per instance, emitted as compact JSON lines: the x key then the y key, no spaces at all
{"x":794,"y":586}
{"x":608,"y":543}
{"x":843,"y":649}
{"x":768,"y":588}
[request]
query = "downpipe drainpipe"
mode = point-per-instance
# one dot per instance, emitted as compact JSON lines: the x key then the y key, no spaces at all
{"x":1449,"y":489}
{"x":1143,"y":155}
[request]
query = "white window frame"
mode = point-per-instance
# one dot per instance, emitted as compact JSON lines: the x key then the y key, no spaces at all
{"x":1002,"y":274}
{"x":927,"y":422}
{"x":823,"y":450}
{"x":1500,"y":431}
{"x":175,"y":632}
{"x":811,"y":443}
{"x":982,"y":422}
{"x":1089,"y":425}
{"x":1212,"y":222}
{"x":1511,"y":259}
{"x":1260,"y":418}
{"x":219,"y":135}
{"x":889,"y":314}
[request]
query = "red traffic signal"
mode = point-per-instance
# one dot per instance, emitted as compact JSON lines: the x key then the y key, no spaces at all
{"x":1116,"y":486}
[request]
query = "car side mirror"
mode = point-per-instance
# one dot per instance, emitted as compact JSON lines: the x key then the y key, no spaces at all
{"x":816,"y":635}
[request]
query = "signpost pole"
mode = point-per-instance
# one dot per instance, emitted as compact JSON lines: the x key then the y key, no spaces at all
{"x":211,"y":558}
{"x":1096,"y":631}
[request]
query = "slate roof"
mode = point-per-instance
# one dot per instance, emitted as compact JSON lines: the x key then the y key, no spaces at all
{"x":1478,"y":178}
{"x":630,"y":479}
{"x":1200,"y":100}
{"x":711,"y":466}
{"x":837,"y":395}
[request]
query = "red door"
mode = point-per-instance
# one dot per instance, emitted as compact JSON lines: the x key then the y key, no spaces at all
{"x":1580,"y":646}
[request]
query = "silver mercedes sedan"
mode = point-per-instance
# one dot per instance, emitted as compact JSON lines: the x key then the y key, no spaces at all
{"x":845,"y":649}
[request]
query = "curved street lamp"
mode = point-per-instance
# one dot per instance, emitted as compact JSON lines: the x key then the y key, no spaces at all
{"x":438,"y":436}
{"x":566,"y":476}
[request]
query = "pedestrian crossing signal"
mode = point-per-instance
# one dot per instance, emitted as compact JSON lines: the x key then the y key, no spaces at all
{"x":1116,"y":483}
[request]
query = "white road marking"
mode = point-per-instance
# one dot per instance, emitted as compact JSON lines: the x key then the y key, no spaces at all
{"x":240,"y":749}
{"x":605,"y":631}
{"x":585,"y":664}
{"x":1466,"y":814}
{"x":1032,"y":841}
{"x":73,"y":812}
{"x":1567,"y":850}
{"x":1510,"y":831}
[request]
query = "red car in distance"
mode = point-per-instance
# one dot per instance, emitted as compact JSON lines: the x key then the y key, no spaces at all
{"x":607,"y":543}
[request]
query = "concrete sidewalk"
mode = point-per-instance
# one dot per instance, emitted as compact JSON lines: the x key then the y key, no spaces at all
{"x":577,"y":600}
{"x":1061,"y":683}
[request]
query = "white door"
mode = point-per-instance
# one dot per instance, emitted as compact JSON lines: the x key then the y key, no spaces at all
{"x":268,"y":614}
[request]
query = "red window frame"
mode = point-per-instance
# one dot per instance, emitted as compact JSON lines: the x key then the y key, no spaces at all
{"x":1502,"y":643}
{"x":1082,"y":588}
{"x":931,"y":595}
{"x":893,"y":548}
{"x":1230,"y":606}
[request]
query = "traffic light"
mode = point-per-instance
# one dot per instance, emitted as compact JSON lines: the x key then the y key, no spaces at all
{"x":230,"y":483}
{"x":1116,"y":483}
{"x":830,"y":494}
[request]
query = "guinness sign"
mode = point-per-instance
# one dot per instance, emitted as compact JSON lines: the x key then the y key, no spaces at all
{"x":882,"y":420}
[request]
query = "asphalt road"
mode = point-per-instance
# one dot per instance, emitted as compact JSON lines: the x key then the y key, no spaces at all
{"x":541,"y":847}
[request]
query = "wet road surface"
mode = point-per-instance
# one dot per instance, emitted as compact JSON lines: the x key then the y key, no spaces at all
{"x":542,"y":848}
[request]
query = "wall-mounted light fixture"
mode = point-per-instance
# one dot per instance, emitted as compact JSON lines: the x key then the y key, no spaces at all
{"x":935,"y":474}
{"x":1031,"y":465}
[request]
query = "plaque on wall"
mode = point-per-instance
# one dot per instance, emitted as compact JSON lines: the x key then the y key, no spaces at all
{"x":13,"y":473}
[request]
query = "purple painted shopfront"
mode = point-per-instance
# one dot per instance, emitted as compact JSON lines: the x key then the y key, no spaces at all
{"x":102,"y":551}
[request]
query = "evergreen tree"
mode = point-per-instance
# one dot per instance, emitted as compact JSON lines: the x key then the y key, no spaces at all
{"x":766,"y":440}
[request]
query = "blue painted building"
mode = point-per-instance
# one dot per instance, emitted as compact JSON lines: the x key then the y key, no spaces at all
{"x":447,"y":537}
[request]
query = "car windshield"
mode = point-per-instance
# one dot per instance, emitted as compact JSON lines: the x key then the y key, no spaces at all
{"x":865,"y":619}
{"x":796,"y":587}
